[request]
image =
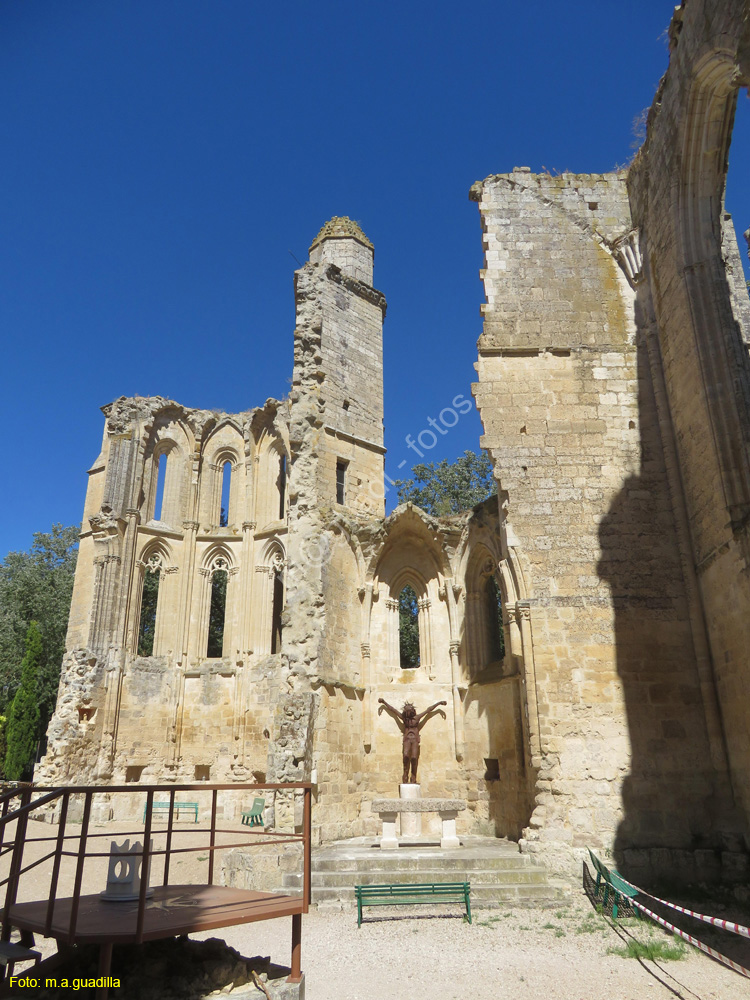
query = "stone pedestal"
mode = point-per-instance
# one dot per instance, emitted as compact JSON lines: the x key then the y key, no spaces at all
{"x":449,"y":837}
{"x":411,"y":822}
{"x":389,"y":837}
{"x":389,"y":809}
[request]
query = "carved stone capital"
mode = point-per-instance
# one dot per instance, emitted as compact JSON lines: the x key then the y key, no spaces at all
{"x":190,"y":525}
{"x":627,"y":252}
{"x":365,"y":648}
{"x":248,"y":525}
{"x":454,"y":646}
{"x":103,"y":560}
{"x":391,"y":604}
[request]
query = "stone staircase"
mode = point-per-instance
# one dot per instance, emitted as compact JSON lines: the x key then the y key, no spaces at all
{"x":499,"y":874}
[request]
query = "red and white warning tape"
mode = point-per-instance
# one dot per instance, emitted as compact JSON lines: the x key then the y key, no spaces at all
{"x":725,"y":925}
{"x":694,"y":941}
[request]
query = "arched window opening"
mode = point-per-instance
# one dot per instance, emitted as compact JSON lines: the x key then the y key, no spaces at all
{"x":494,"y":610}
{"x":341,"y":467}
{"x":278,"y":604}
{"x":149,"y":602}
{"x":408,"y":628}
{"x":217,"y":614}
{"x":161,"y":475}
{"x":736,"y":185}
{"x":226,"y":485}
{"x":282,"y":487}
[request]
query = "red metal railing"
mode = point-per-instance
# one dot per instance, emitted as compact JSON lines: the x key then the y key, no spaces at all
{"x":34,"y":798}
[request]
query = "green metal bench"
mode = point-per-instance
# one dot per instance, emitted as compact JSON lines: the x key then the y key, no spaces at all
{"x":410,"y":894}
{"x":164,"y":807}
{"x":254,"y":816}
{"x":613,"y":881}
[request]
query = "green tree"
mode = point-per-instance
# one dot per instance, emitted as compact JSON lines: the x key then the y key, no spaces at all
{"x":217,"y":613}
{"x":23,"y":718}
{"x":408,"y":628}
{"x":149,"y":600}
{"x":37,"y":586}
{"x":449,"y":487}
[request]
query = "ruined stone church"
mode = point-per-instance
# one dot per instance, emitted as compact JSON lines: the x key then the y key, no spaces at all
{"x":236,"y":605}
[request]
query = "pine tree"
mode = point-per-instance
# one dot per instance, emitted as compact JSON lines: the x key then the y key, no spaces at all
{"x":23,"y":717}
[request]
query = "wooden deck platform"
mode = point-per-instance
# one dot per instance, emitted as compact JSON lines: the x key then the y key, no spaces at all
{"x":171,"y":911}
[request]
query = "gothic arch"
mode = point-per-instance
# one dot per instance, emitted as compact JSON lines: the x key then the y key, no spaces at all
{"x":217,"y":557}
{"x":269,"y":590}
{"x":170,"y":437}
{"x":155,"y":558}
{"x":224,"y":444}
{"x":272,"y":472}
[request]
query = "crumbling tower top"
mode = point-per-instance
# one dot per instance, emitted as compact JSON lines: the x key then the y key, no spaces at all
{"x":342,"y":242}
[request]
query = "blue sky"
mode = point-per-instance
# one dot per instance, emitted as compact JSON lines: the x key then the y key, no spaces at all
{"x":162,"y":158}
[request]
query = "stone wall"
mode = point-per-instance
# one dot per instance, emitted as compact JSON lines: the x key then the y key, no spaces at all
{"x":613,"y":388}
{"x":570,"y":418}
{"x":694,"y":304}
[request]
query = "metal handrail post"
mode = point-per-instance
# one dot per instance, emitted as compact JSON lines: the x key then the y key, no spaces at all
{"x":170,"y":821}
{"x":79,"y":867}
{"x":307,"y":848}
{"x":56,"y":863}
{"x":16,"y":863}
{"x":144,"y":868}
{"x":213,"y":838}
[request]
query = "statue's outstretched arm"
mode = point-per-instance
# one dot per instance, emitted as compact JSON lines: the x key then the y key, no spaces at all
{"x":430,"y":709}
{"x":399,"y":715}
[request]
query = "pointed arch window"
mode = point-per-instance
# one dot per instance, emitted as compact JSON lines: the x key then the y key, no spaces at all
{"x":494,"y":619}
{"x":277,"y":600}
{"x":282,"y":487}
{"x":161,"y":476}
{"x":218,"y":609}
{"x":226,"y":487}
{"x":149,"y":605}
{"x":408,"y":628}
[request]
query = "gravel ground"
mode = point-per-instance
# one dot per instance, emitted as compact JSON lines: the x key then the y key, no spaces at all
{"x":524,"y":954}
{"x":561,"y":953}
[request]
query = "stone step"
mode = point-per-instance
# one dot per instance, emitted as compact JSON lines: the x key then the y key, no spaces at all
{"x":403,"y":862}
{"x":477,"y":876}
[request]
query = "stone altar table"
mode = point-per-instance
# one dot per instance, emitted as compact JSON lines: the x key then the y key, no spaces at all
{"x":389,"y":809}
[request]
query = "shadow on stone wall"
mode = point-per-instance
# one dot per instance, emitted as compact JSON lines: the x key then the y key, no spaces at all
{"x":671,"y":828}
{"x":505,"y":781}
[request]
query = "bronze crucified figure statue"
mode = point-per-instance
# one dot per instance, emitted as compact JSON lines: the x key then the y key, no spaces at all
{"x":412,"y":723}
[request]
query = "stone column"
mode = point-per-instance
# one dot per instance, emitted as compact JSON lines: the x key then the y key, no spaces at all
{"x":394,"y":657}
{"x":425,"y":637}
{"x":523,"y":616}
{"x":448,"y":594}
{"x":458,"y":709}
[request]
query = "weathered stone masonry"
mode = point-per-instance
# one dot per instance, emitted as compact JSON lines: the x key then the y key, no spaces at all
{"x":613,"y":387}
{"x":293,"y":693}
